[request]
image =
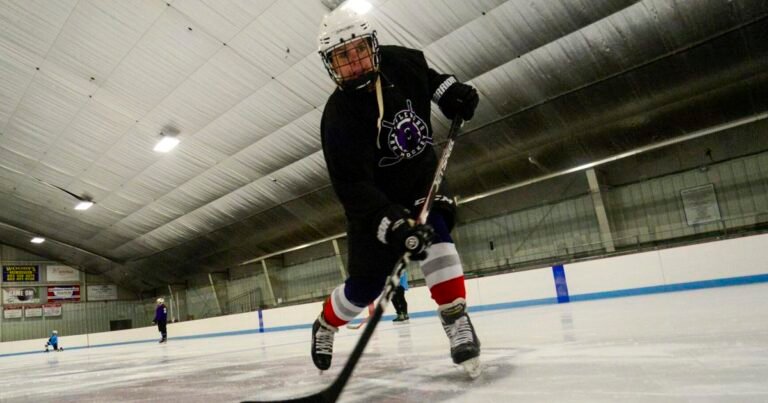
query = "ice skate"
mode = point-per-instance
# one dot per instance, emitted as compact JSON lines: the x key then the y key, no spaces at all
{"x":163,"y":340}
{"x":465,"y":346}
{"x":401,"y":319}
{"x":322,"y":343}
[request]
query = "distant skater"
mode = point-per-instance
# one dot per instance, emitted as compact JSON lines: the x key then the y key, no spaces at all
{"x":53,"y":341}
{"x":161,"y":319}
{"x":398,"y":300}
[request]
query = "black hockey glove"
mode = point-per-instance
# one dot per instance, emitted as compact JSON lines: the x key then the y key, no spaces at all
{"x":458,"y":99}
{"x":403,"y":234}
{"x":406,"y":235}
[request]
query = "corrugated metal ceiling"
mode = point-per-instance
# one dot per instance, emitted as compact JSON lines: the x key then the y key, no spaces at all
{"x":87,"y":86}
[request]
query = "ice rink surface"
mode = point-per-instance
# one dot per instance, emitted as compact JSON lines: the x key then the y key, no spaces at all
{"x":692,"y":346}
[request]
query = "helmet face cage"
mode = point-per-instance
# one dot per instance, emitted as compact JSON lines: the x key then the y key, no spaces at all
{"x":350,"y":82}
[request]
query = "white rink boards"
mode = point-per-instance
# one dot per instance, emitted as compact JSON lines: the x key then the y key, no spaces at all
{"x":703,"y":345}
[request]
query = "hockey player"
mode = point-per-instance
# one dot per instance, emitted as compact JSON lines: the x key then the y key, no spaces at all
{"x":399,"y":302}
{"x":161,"y":319}
{"x":377,"y":142}
{"x":53,"y":341}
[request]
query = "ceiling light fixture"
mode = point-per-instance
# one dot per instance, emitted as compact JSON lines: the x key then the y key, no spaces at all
{"x":169,"y":140}
{"x":37,"y":239}
{"x":84,"y":205}
{"x":167,"y":143}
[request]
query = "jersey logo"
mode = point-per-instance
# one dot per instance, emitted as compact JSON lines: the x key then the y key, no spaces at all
{"x":408,"y":136}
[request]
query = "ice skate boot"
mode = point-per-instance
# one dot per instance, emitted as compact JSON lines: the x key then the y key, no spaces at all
{"x":402,"y":318}
{"x":322,"y":343}
{"x":465,"y":346}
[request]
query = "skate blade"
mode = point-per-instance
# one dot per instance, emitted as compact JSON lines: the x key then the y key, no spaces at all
{"x":472,"y":367}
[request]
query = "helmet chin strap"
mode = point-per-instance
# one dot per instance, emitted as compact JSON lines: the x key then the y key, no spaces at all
{"x":380,"y":103}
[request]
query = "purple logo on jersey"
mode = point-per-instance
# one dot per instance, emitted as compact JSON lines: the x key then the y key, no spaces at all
{"x":408,"y":136}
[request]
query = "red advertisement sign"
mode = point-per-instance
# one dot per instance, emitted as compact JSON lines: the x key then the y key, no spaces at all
{"x":64,"y":293}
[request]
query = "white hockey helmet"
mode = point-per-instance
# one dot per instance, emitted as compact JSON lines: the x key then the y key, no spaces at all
{"x":55,"y":332}
{"x":160,"y":301}
{"x":342,"y":25}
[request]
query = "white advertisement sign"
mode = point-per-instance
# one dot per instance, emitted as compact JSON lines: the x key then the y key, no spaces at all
{"x":21,"y":295}
{"x":62,"y":273}
{"x":700,"y":204}
{"x":12,"y":312}
{"x":52,"y":309}
{"x":33,"y":312}
{"x":102,"y":292}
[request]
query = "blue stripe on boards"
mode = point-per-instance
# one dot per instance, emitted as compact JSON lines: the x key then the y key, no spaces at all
{"x":561,"y":286}
{"x":694,"y":285}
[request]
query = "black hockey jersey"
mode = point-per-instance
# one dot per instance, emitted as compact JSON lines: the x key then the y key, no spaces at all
{"x":370,"y":170}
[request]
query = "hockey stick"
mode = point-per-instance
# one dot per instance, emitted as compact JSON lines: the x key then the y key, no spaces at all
{"x":331,"y":393}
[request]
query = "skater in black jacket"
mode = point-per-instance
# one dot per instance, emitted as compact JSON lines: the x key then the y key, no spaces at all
{"x":161,"y":319}
{"x":378,"y":147}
